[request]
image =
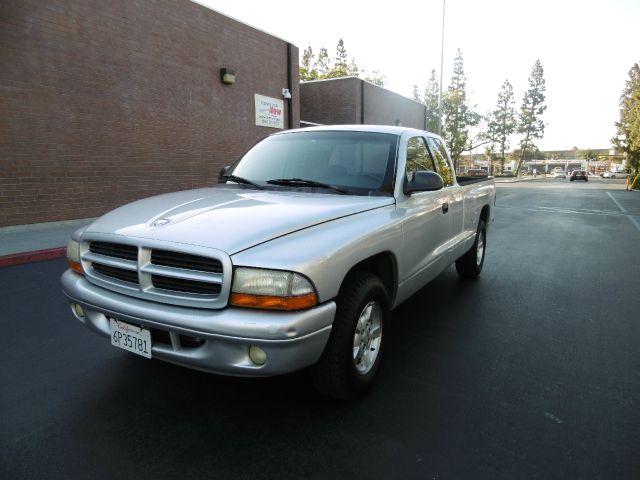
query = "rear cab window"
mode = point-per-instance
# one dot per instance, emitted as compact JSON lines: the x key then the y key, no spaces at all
{"x":441,"y":157}
{"x":418,"y":157}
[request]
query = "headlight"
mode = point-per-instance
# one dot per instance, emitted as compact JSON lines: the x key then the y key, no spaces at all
{"x":271,"y":289}
{"x":73,"y":257}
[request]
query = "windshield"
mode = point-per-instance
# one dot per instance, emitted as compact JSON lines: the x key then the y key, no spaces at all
{"x":360,"y":163}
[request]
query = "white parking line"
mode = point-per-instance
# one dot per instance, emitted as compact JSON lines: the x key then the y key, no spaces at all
{"x":617,"y":203}
{"x":624,"y":211}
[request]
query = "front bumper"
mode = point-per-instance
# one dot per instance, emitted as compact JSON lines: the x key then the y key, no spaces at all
{"x":215,"y":341}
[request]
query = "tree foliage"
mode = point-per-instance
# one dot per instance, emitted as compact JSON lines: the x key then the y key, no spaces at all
{"x":628,"y":128}
{"x":323,"y":64}
{"x":375,"y":77}
{"x":321,"y":67}
{"x":431,"y":95}
{"x":340,"y":66}
{"x":416,"y":94}
{"x":430,"y":100}
{"x":502,"y":122}
{"x":307,"y":65}
{"x":457,"y":115}
{"x":530,"y":122}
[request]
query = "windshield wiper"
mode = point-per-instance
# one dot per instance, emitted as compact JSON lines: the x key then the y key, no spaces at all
{"x":244,"y":181}
{"x":301,"y":182}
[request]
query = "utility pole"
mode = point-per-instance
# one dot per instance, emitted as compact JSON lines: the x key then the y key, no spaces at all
{"x":441,"y":66}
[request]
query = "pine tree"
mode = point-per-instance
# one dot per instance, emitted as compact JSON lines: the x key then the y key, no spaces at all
{"x":340,"y":66}
{"x":628,"y":128}
{"x":376,"y":78}
{"x":458,"y":117}
{"x":416,"y":94}
{"x":353,"y":68}
{"x":530,"y":122}
{"x":431,"y":95}
{"x":502,"y":122}
{"x":321,"y":67}
{"x":322,"y":63}
{"x":307,"y":71}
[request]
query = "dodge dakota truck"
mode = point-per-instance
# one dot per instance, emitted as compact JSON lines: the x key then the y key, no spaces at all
{"x":294,"y":260}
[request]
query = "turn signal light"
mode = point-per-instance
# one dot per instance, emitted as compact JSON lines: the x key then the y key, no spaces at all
{"x":273,"y":302}
{"x":76,"y":267}
{"x":73,"y":257}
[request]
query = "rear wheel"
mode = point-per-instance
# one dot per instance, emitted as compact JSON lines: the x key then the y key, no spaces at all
{"x":470,"y":264}
{"x":351,"y":360}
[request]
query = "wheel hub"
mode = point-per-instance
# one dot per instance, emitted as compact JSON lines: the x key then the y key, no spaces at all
{"x":480,"y":249}
{"x":367,"y":338}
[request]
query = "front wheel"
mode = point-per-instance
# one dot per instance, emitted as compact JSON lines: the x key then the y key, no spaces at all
{"x":350,"y":361}
{"x":470,"y":264}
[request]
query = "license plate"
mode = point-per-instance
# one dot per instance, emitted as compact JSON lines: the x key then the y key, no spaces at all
{"x":131,"y":338}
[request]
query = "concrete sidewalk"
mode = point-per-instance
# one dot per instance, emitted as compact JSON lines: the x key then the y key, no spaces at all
{"x":31,"y":243}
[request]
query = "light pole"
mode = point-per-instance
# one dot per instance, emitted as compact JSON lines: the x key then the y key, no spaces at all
{"x":441,"y":63}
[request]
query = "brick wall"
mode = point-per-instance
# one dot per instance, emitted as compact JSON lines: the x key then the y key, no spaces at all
{"x":335,"y":101}
{"x":384,"y":107}
{"x":105,"y":102}
{"x":340,"y":101}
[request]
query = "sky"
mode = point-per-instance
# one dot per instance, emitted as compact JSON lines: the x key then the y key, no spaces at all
{"x":586,"y":49}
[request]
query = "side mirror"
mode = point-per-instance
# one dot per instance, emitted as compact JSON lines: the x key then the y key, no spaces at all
{"x":423,"y":181}
{"x":223,"y":172}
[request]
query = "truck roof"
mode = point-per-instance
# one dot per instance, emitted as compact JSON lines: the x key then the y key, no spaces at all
{"x":390,"y":129}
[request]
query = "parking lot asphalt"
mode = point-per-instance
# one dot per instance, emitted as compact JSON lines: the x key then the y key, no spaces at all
{"x":532,"y":371}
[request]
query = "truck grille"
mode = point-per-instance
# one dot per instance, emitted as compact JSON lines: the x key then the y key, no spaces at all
{"x":158,"y":274}
{"x":127,"y":252}
{"x":185,"y":260}
{"x":117,"y":273}
{"x":178,"y":285}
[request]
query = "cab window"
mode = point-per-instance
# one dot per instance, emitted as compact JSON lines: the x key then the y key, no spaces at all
{"x":418,"y":157}
{"x":442,"y":160}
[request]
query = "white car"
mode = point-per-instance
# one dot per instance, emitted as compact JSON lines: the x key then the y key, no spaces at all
{"x":615,"y":175}
{"x":559,"y":174}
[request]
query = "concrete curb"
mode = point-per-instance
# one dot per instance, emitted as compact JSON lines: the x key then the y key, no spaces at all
{"x":29,"y":257}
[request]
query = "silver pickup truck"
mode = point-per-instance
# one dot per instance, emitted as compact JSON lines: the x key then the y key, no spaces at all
{"x":294,"y":260}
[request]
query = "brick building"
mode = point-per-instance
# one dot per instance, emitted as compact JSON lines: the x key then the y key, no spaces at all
{"x":352,"y":100}
{"x":105,"y":102}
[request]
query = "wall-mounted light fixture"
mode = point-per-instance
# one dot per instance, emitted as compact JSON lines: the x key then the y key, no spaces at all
{"x":227,"y":76}
{"x":286,"y":93}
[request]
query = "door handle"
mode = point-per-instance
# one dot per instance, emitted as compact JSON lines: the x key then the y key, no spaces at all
{"x":445,"y":207}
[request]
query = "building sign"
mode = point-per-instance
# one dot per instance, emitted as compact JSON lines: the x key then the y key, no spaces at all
{"x":269,"y":112}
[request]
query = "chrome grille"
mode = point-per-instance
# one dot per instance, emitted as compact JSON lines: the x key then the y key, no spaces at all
{"x":181,"y":285}
{"x":118,"y":250}
{"x":184,"y":260}
{"x":117,"y":273}
{"x":158,"y":272}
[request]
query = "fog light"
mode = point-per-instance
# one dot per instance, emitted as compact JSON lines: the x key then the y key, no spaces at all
{"x":78,"y":310}
{"x":257,"y":355}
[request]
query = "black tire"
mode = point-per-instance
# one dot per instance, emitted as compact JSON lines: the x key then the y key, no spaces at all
{"x":470,"y":264}
{"x":338,"y":374}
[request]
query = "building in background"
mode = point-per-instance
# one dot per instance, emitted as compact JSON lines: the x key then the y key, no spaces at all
{"x":351,"y":100}
{"x":103,"y":103}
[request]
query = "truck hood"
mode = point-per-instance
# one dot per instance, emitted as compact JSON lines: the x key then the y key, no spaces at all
{"x":228,"y":218}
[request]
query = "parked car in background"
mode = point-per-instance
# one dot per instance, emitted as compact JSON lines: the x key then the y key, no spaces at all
{"x":615,"y":175}
{"x":559,"y":174}
{"x":579,"y":175}
{"x":477,"y":172}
